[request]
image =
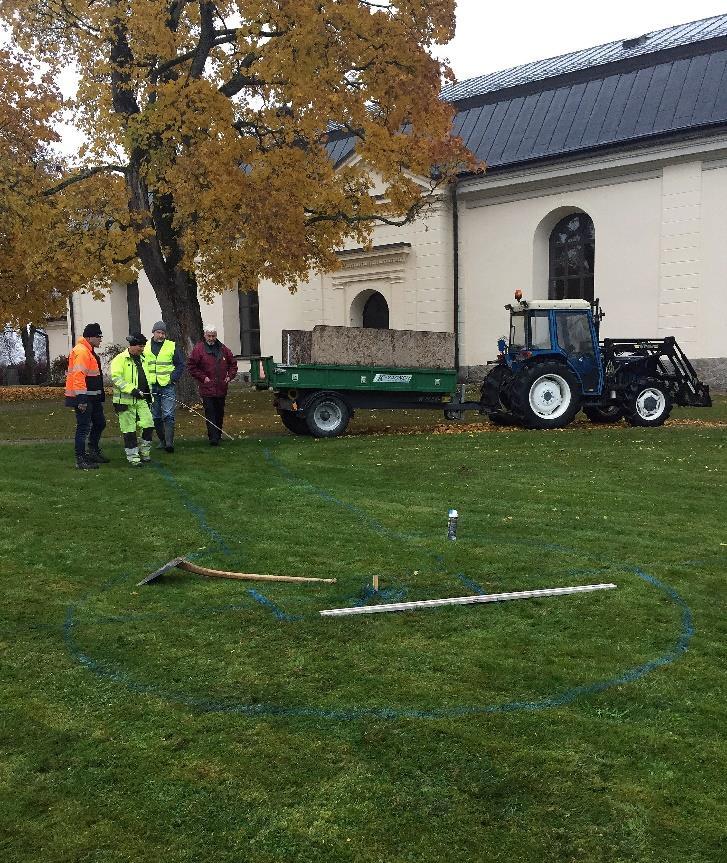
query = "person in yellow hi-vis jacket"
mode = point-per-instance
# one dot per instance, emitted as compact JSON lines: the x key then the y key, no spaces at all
{"x":131,"y":399}
{"x":164,"y":363}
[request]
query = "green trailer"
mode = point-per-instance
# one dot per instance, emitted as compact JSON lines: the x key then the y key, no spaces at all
{"x":320,"y":400}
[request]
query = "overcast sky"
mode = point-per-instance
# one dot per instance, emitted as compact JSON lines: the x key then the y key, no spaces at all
{"x":493,"y":36}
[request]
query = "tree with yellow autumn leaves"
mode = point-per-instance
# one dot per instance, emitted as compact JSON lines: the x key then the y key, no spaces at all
{"x":208,"y":127}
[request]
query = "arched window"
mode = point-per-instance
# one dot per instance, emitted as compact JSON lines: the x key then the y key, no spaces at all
{"x":375,"y":313}
{"x":572,"y":254}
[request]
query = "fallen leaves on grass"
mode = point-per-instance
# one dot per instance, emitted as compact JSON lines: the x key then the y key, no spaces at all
{"x":34,"y":393}
{"x":29,"y":393}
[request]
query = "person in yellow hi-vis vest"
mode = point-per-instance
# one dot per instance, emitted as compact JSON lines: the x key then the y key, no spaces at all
{"x":164,"y":363}
{"x":131,"y":398}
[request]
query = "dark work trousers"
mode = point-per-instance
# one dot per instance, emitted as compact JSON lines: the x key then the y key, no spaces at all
{"x":214,"y":412}
{"x":89,"y":424}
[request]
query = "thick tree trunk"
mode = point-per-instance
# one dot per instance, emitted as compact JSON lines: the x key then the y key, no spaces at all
{"x":179,"y":303}
{"x":174,"y":287}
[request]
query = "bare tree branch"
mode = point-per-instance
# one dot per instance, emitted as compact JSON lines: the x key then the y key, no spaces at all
{"x":85,"y":175}
{"x":206,"y":38}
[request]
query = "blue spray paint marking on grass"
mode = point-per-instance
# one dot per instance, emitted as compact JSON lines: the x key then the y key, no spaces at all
{"x":326,"y":496}
{"x":190,"y":505}
{"x":473,"y":586}
{"x":367,"y":593}
{"x":268,"y":603}
{"x":232,"y":705}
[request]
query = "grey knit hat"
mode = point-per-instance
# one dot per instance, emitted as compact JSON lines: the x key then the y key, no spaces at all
{"x":159,"y":325}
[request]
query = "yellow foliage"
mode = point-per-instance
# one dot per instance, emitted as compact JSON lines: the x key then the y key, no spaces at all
{"x":209,"y":129}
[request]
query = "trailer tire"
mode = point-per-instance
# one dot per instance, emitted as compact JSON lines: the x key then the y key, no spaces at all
{"x":602,"y":415}
{"x":295,"y":422}
{"x":546,"y":396}
{"x":648,"y":404}
{"x":327,"y":415}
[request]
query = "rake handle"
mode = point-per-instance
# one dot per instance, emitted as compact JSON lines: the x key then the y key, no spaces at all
{"x":246,"y":576}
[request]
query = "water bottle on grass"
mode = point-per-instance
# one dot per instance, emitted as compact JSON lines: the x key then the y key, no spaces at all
{"x":452,"y":525}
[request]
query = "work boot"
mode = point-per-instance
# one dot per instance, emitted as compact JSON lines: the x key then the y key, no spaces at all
{"x":94,"y":454}
{"x":169,"y":435}
{"x":82,"y":463}
{"x":145,"y":450}
{"x":159,"y":429}
{"x":132,"y":456}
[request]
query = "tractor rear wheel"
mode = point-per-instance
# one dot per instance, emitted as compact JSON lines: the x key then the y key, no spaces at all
{"x":649,"y":404}
{"x":546,"y":396}
{"x":610,"y":414}
{"x":294,"y":422}
{"x":327,"y":415}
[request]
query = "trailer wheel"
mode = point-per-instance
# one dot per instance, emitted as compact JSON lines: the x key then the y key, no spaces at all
{"x":546,"y":396}
{"x":294,"y":422}
{"x":610,"y":414}
{"x":649,"y":404}
{"x":327,"y":415}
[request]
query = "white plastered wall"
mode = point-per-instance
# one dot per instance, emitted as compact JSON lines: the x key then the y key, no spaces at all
{"x":504,"y":246}
{"x":713,"y":253}
{"x":411,"y":266}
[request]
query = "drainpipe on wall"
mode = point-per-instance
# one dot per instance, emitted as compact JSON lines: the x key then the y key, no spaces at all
{"x":455,"y":270}
{"x":72,"y":316}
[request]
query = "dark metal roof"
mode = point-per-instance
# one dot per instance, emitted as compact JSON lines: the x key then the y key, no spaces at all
{"x":648,"y":43}
{"x":614,"y":109}
{"x":674,"y":82}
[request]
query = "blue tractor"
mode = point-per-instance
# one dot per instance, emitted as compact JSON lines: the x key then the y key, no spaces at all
{"x":553,"y":365}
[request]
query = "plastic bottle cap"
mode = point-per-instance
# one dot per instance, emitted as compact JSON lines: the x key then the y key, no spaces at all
{"x":453,"y":513}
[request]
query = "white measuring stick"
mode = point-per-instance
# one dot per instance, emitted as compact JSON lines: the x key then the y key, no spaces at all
{"x":465,"y":600}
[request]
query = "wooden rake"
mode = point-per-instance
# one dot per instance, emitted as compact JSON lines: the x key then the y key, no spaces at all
{"x":183,"y":563}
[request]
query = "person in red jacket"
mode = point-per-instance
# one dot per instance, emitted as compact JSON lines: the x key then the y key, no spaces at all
{"x":213,"y":366}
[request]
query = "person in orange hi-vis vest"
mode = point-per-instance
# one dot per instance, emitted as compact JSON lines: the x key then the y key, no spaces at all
{"x":85,"y":394}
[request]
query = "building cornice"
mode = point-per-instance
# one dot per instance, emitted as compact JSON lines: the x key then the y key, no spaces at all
{"x":643,"y":162}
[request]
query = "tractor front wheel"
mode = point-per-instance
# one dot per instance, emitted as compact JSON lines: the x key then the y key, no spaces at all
{"x":546,"y":396}
{"x":649,"y":404}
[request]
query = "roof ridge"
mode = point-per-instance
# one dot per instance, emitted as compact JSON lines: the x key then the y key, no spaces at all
{"x":690,"y":32}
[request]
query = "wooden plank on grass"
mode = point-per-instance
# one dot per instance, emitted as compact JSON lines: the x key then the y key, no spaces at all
{"x":465,"y":600}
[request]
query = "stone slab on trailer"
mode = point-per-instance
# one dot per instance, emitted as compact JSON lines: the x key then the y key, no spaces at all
{"x":354,"y":346}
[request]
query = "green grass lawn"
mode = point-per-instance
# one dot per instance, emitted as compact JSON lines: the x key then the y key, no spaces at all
{"x":250,"y":413}
{"x":209,"y":720}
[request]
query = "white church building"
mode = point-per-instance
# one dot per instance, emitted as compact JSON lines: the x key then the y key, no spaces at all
{"x":606,"y":177}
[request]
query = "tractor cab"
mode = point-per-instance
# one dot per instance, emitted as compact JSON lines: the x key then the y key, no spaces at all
{"x":561,"y":330}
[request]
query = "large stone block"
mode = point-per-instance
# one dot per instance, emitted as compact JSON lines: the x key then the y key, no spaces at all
{"x":712,"y":372}
{"x":368,"y":347}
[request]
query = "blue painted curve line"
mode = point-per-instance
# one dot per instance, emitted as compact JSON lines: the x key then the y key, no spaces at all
{"x":472,"y":585}
{"x":268,"y":603}
{"x":367,"y":593}
{"x":189,"y":504}
{"x":360,"y":514}
{"x":242,"y":708}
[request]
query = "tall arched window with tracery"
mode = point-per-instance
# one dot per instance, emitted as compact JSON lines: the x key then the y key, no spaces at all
{"x":572,"y":256}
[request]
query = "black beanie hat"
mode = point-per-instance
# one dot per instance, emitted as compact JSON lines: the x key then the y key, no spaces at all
{"x":136,"y":339}
{"x":92,"y":330}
